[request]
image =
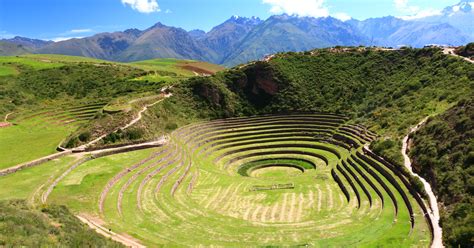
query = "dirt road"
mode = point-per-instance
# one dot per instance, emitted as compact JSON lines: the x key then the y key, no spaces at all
{"x":94,"y":224}
{"x":434,"y":214}
{"x":6,"y":116}
{"x":450,"y":51}
{"x":131,"y":123}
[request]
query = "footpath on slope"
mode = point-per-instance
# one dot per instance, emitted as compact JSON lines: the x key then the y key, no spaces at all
{"x":129,"y":242}
{"x":6,"y":116}
{"x":450,"y":51}
{"x":82,"y":149}
{"x":5,"y":122}
{"x":434,"y":214}
{"x":131,"y":123}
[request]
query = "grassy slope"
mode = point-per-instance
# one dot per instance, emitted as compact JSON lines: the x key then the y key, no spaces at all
{"x":29,"y":140}
{"x":26,"y":184}
{"x":79,"y":191}
{"x":443,"y":153}
{"x":68,"y":81}
{"x":50,"y":226}
{"x":389,"y":91}
{"x":25,"y":222}
{"x":171,"y":69}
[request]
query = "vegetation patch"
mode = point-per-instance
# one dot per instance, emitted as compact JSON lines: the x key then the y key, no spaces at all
{"x":443,"y":153}
{"x":50,"y":225}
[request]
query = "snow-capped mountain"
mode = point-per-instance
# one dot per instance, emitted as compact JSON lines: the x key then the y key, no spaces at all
{"x":464,"y":7}
{"x":460,"y":16}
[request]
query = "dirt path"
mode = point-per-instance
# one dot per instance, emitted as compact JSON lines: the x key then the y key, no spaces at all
{"x":131,"y":123}
{"x":434,"y":214}
{"x":140,"y":113}
{"x":129,"y":242}
{"x":450,"y":51}
{"x":6,"y":116}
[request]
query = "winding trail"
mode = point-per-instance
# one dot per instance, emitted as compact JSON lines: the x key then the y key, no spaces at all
{"x":450,"y":51}
{"x":129,"y":242}
{"x":434,"y":214}
{"x":131,"y":123}
{"x":6,"y":116}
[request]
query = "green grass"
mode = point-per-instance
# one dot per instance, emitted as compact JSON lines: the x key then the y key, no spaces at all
{"x":81,"y":189}
{"x":7,"y":70}
{"x":35,"y":63}
{"x":222,"y":210}
{"x":63,"y":58}
{"x":215,"y":212}
{"x":49,"y":226}
{"x":170,"y":70}
{"x":29,"y":140}
{"x":28,"y":183}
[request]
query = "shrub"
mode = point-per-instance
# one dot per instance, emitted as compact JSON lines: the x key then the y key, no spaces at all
{"x":85,"y":136}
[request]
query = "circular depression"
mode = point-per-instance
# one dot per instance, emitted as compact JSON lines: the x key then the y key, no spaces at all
{"x":275,"y":167}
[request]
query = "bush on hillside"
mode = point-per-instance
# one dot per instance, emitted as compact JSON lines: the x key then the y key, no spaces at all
{"x":51,"y":226}
{"x":443,"y":154}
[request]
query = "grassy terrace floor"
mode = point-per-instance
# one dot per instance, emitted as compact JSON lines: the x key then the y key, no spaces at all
{"x":37,"y":133}
{"x":273,"y":180}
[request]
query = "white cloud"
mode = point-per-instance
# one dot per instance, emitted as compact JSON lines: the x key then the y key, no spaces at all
{"x":143,"y":6}
{"x":6,"y":35}
{"x":78,"y":31}
{"x":313,"y":8}
{"x":342,"y":16}
{"x":58,"y":39}
{"x":411,"y":12}
{"x":421,"y":14}
{"x":168,"y":11}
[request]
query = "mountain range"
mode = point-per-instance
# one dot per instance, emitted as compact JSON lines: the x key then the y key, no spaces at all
{"x":240,"y":39}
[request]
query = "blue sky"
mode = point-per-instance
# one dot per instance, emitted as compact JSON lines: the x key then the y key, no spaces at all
{"x":61,"y":19}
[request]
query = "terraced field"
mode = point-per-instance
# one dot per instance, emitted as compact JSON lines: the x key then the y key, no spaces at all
{"x":38,"y":132}
{"x":302,"y":179}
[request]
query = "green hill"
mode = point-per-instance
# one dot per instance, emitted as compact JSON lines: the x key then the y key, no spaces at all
{"x":389,"y":91}
{"x":50,"y":97}
{"x":50,"y":226}
{"x":443,"y":153}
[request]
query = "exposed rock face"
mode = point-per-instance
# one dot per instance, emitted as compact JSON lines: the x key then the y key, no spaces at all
{"x":260,"y":82}
{"x":209,"y":92}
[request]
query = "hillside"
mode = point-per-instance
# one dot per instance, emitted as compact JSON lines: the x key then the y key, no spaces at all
{"x":443,"y":153}
{"x":9,"y":49}
{"x":23,"y":225}
{"x":387,"y":90}
{"x":316,"y":106}
{"x":75,"y":93}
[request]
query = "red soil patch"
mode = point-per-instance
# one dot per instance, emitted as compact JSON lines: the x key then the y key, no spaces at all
{"x":196,"y":69}
{"x":5,"y":124}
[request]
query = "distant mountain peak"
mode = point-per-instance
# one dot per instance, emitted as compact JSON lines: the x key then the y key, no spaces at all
{"x":197,"y":33}
{"x":28,"y":42}
{"x":244,"y":20}
{"x":465,"y":6}
{"x":133,"y":31}
{"x":158,"y":25}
